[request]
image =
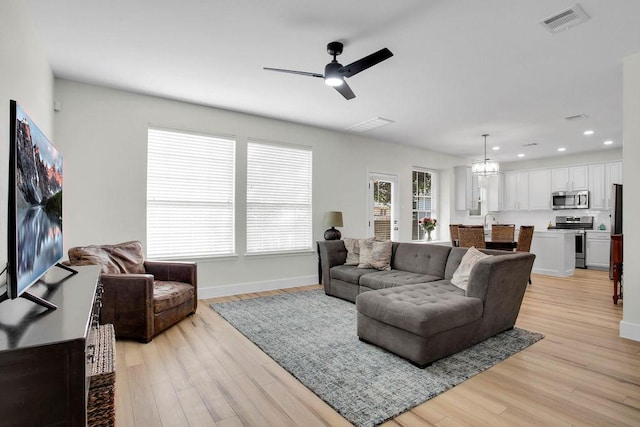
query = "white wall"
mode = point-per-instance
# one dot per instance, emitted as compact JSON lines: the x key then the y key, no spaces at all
{"x":25,"y":76}
{"x":630,"y":325}
{"x":102,"y":134}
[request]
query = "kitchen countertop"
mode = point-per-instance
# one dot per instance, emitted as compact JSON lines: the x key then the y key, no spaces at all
{"x":556,"y":230}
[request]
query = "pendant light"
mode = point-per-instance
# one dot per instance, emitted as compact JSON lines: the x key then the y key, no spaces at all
{"x":485,"y":167}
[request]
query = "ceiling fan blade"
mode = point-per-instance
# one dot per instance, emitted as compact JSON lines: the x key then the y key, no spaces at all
{"x":302,"y":73}
{"x":366,"y":62}
{"x":345,"y":91}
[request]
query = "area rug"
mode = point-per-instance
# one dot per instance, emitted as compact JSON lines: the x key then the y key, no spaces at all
{"x":313,"y":336}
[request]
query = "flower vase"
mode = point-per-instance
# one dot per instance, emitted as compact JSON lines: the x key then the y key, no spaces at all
{"x":428,"y":235}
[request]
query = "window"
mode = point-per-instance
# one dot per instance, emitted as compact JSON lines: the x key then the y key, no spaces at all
{"x":423,"y":201}
{"x":278,"y":198}
{"x":190,"y":194}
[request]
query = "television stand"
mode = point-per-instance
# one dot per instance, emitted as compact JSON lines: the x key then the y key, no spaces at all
{"x":45,"y":355}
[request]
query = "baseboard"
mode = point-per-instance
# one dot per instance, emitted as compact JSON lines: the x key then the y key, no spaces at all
{"x":246,"y":288}
{"x":630,"y":330}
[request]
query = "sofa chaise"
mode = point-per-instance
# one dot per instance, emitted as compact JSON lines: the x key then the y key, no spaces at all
{"x":413,"y":309}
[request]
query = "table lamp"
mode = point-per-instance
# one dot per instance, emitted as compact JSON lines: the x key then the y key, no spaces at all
{"x":332,"y":219}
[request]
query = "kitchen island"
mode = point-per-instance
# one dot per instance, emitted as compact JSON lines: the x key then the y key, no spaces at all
{"x":555,"y":252}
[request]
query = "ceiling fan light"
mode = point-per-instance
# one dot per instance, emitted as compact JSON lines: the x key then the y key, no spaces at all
{"x":333,"y":81}
{"x":332,"y":75}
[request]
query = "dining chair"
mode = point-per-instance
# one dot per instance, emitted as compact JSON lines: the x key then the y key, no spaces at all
{"x":453,"y":231}
{"x":503,"y":232}
{"x":525,"y":235}
{"x":524,"y":238}
{"x":471,"y":236}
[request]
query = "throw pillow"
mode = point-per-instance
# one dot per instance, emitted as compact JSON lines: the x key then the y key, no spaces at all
{"x":122,"y":258}
{"x":375,"y":254}
{"x":366,"y":247}
{"x":461,"y":275}
{"x":353,"y":251}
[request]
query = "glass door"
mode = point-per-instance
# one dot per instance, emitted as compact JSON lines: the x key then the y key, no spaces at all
{"x":383,"y":221}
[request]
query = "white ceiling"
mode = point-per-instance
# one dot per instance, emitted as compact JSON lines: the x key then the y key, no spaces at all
{"x":460,"y":68}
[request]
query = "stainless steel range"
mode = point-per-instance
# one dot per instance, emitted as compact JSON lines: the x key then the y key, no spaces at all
{"x":580,"y":224}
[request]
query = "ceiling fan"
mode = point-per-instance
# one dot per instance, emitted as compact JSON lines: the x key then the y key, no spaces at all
{"x":335,"y":73}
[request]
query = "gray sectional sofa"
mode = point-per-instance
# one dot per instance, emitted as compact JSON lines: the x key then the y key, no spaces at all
{"x":414,"y":311}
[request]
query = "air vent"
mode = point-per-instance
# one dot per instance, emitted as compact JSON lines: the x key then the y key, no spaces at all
{"x":531,"y":144}
{"x":566,"y":19}
{"x":370,"y":124}
{"x":576,"y":117}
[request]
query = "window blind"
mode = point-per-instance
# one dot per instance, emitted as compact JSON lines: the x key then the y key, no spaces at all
{"x":279,"y":184}
{"x":190,"y":194}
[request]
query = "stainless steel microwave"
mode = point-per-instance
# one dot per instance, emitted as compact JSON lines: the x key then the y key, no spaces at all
{"x":570,"y":199}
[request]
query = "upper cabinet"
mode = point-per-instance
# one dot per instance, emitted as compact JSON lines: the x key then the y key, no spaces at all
{"x":467,"y":189}
{"x":597,"y":186}
{"x":495,"y":199}
{"x":571,"y":178}
{"x":612,"y":175}
{"x":601,"y":177}
{"x":516,"y":191}
{"x":540,"y":189}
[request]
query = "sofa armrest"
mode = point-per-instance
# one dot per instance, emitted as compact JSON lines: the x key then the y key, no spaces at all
{"x":127,"y":303}
{"x":185,"y":272}
{"x":175,"y":271}
{"x":500,"y":281}
{"x":332,"y":253}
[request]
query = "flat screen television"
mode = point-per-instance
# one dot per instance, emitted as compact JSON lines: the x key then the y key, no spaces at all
{"x":35,"y":206}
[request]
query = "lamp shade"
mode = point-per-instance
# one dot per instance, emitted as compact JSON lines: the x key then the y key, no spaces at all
{"x":332,"y":219}
{"x":486,"y":167}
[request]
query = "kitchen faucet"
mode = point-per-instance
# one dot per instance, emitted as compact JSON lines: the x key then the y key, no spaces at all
{"x":484,"y":219}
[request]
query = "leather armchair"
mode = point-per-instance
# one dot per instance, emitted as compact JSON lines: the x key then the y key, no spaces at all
{"x":141,"y":298}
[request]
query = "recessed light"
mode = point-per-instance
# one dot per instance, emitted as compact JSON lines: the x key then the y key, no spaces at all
{"x":588,"y":132}
{"x":561,"y":149}
{"x":608,"y":142}
{"x":496,"y":148}
{"x":521,"y":155}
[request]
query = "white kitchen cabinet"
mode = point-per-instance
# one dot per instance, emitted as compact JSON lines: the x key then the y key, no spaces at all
{"x":555,"y":252}
{"x":540,"y":189}
{"x":613,"y":175}
{"x":597,"y":197}
{"x":571,"y":178}
{"x":601,"y":177}
{"x":516,"y":191}
{"x":579,"y":177}
{"x":598,"y":247}
{"x":495,"y":187}
{"x":467,"y":188}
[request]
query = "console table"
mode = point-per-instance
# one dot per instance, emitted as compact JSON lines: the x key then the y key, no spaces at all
{"x":44,"y":354}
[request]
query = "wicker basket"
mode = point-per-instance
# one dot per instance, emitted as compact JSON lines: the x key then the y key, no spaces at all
{"x":101,"y":402}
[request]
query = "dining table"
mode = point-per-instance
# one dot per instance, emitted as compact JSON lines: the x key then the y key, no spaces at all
{"x":503,"y":245}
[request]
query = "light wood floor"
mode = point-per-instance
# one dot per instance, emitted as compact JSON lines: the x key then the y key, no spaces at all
{"x":203,"y":372}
